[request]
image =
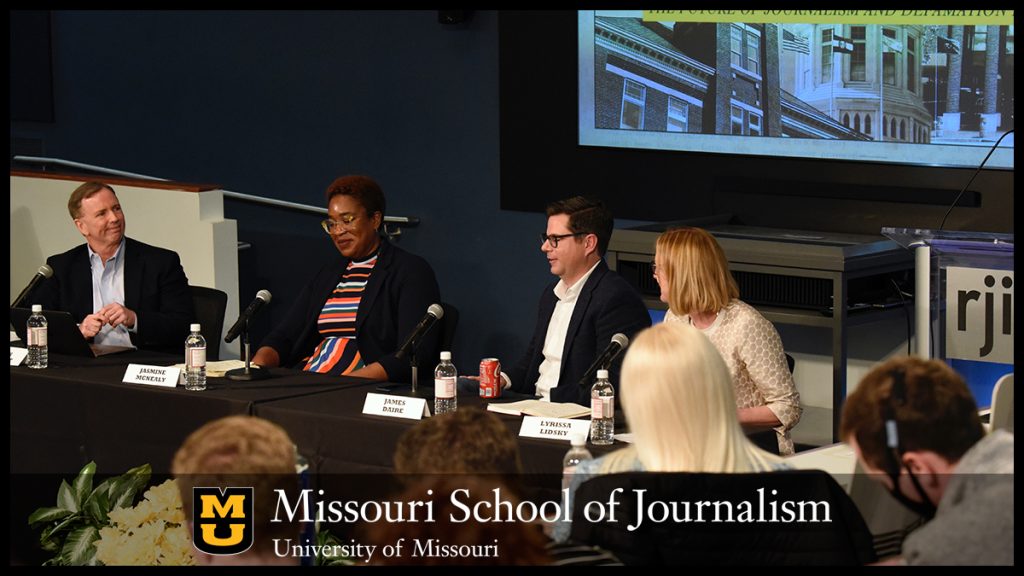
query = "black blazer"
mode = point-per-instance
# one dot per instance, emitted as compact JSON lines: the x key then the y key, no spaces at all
{"x":396,"y":297}
{"x":606,"y":305}
{"x":155,"y":288}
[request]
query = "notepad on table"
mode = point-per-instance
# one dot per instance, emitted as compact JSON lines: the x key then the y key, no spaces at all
{"x":540,"y":408}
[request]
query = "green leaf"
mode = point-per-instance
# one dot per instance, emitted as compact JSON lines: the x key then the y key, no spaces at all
{"x":82,"y":486}
{"x":66,"y":497}
{"x":97,"y":507}
{"x":78,"y":548}
{"x":124,"y":487}
{"x":49,"y":545}
{"x":52,"y":532}
{"x":51,"y":514}
{"x":103,"y":487}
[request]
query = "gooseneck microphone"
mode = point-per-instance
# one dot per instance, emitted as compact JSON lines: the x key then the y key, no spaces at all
{"x":262,"y":297}
{"x":434,"y":313}
{"x":616,"y":346}
{"x":973,"y":176}
{"x":43,"y":273}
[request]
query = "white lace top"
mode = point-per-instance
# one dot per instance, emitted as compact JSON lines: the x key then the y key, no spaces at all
{"x":753,"y":352}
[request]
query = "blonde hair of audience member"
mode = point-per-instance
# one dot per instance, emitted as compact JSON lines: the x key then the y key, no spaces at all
{"x":697,"y":271}
{"x":241,"y":451}
{"x":621,"y":460}
{"x":677,"y":396}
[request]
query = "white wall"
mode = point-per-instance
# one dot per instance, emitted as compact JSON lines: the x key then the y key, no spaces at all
{"x":190,"y":223}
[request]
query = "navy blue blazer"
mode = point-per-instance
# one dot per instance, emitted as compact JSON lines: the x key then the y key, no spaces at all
{"x":606,"y":305}
{"x":155,"y":288}
{"x":396,"y":297}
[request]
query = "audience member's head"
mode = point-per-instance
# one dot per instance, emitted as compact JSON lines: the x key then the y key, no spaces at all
{"x":467,"y":441}
{"x":693,"y":272}
{"x":469,"y":542}
{"x":241,"y":451}
{"x":678,"y":398}
{"x":935,"y":420}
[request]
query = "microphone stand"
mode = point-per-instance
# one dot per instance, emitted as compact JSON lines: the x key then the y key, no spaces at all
{"x":428,"y":392}
{"x":246,"y":374}
{"x":414,"y":367}
{"x":415,"y":391}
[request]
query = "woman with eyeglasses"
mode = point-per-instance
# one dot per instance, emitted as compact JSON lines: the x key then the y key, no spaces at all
{"x":693,"y":274}
{"x":352,"y":316}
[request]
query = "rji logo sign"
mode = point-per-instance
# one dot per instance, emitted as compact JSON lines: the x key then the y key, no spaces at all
{"x":979,"y":314}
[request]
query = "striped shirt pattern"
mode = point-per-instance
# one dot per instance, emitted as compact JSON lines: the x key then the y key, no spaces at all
{"x":338,"y":353}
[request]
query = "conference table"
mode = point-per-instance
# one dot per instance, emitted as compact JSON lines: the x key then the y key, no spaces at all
{"x":78,"y":410}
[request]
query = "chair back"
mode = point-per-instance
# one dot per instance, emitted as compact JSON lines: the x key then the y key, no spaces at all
{"x":210,"y":306}
{"x":448,"y":325}
{"x":1002,"y":404}
{"x":793,"y":517}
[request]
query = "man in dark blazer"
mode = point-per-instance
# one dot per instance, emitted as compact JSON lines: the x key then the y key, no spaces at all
{"x":121,"y":291}
{"x":578,"y":314}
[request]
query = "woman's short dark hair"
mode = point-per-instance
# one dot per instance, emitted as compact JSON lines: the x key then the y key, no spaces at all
{"x":364,"y":189}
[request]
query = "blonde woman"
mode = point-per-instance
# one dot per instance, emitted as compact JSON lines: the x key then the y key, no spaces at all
{"x":695,"y":282}
{"x":677,"y":395}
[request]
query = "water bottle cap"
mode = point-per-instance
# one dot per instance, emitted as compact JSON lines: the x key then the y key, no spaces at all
{"x":602,"y":374}
{"x":194,"y":327}
{"x":37,"y":307}
{"x":446,"y":355}
{"x":579,"y":440}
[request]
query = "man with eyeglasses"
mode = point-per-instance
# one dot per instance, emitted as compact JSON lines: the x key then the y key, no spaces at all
{"x":121,"y":291}
{"x":915,"y":428}
{"x":581,"y":311}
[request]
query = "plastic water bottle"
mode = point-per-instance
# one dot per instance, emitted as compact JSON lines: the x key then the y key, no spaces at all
{"x":573,"y":457}
{"x":445,"y":375}
{"x":602,"y":410}
{"x":38,"y":352}
{"x":195,"y":360}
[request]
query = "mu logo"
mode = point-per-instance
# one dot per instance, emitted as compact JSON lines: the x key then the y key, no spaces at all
{"x":222,"y":519}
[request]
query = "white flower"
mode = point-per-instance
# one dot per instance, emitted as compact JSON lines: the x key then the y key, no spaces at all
{"x":151,"y":533}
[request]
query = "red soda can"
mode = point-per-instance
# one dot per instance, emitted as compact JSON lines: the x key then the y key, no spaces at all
{"x":490,"y":378}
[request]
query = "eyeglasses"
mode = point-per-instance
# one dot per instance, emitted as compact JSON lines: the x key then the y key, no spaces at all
{"x":332,"y":226}
{"x":553,"y":239}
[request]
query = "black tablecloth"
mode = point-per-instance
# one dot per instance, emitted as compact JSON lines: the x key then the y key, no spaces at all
{"x":337,"y":438}
{"x":79,"y":410}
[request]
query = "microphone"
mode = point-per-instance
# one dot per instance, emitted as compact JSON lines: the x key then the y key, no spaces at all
{"x":262,"y":297}
{"x":434,"y":313}
{"x":975,"y":175}
{"x":43,"y":273}
{"x":617,"y":345}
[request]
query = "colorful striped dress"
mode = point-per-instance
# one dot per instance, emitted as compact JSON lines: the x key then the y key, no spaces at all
{"x":338,"y":352}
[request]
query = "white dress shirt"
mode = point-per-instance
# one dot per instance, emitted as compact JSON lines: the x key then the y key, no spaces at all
{"x":558,"y":327}
{"x":107,"y":288}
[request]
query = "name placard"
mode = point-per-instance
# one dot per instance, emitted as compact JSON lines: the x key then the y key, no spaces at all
{"x":166,"y":376}
{"x":18,"y":355}
{"x":395,"y":406}
{"x":554,"y":428}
